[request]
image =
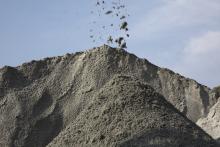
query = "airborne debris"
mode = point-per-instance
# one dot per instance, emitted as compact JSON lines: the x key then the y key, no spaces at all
{"x":123,"y":45}
{"x":121,"y":42}
{"x":123,"y":17}
{"x":118,"y":11}
{"x":124,"y":25}
{"x":110,"y":39}
{"x":120,"y":39}
{"x":108,"y":12}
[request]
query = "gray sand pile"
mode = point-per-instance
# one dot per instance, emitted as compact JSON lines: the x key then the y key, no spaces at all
{"x":40,"y":100}
{"x":126,"y":112}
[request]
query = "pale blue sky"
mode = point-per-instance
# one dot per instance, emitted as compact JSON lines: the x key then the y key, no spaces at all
{"x":183,"y":35}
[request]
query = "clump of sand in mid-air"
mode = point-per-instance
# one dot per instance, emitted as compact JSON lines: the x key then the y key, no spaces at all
{"x":114,"y":31}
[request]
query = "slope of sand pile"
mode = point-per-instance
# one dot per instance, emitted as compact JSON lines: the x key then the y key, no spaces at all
{"x":126,"y":112}
{"x":41,"y":99}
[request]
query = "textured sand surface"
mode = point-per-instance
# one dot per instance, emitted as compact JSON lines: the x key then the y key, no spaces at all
{"x":126,"y":112}
{"x":41,"y":100}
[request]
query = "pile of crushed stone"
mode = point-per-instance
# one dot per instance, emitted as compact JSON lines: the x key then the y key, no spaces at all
{"x":41,"y":102}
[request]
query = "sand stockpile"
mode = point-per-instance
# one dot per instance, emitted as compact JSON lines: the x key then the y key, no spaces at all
{"x":41,"y":100}
{"x":126,"y":112}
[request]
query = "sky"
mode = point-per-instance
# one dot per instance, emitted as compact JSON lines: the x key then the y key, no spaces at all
{"x":182,"y":35}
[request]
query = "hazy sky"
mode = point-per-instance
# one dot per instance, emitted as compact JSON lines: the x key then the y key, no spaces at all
{"x":183,"y":35}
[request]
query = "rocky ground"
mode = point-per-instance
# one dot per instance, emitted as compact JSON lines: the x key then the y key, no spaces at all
{"x":101,"y":97}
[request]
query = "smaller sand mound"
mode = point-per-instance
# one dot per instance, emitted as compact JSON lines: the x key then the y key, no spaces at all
{"x":126,"y":112}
